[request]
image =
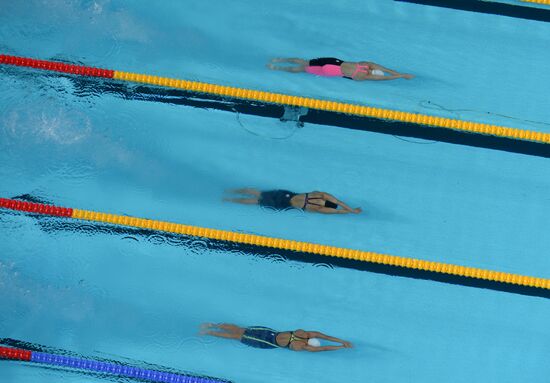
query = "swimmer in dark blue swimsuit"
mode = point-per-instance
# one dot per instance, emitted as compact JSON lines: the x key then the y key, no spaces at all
{"x":318,"y":202}
{"x":264,"y":337}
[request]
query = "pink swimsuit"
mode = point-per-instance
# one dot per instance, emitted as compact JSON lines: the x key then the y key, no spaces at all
{"x":331,"y":70}
{"x":327,"y":70}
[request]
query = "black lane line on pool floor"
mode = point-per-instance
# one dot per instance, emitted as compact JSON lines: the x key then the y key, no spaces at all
{"x":489,"y":7}
{"x":198,"y":245}
{"x":86,"y":87}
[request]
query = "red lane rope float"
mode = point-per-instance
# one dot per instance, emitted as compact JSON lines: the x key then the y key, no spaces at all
{"x":56,"y":66}
{"x":15,"y":354}
{"x":38,"y":208}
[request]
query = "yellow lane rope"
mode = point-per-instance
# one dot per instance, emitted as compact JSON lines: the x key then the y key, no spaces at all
{"x":277,"y":243}
{"x":282,"y":99}
{"x":332,"y":251}
{"x":545,"y":2}
{"x":333,"y":106}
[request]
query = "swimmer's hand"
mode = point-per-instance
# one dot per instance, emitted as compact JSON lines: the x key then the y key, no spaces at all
{"x":357,"y":210}
{"x":346,"y":344}
{"x":407,"y":76}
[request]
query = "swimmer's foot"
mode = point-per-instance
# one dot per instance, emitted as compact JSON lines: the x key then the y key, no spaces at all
{"x":205,"y":328}
{"x":270,"y":66}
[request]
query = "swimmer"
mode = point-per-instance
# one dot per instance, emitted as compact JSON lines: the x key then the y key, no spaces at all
{"x":333,"y":67}
{"x":264,"y":337}
{"x":318,"y":202}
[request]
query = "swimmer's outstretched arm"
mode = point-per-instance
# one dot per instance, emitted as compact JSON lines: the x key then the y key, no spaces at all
{"x":346,"y":208}
{"x":322,"y":348}
{"x":320,"y":335}
{"x":394,"y":74}
{"x":380,"y":67}
{"x":328,"y":210}
{"x":375,"y":77}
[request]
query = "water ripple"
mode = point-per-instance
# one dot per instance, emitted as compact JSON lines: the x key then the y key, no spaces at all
{"x":46,"y":122}
{"x":156,"y":239}
{"x":323,"y":266}
{"x":198,"y":246}
{"x":130,"y":238}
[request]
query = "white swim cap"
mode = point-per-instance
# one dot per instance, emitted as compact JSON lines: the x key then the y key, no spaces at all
{"x":314,"y":342}
{"x":377,"y":72}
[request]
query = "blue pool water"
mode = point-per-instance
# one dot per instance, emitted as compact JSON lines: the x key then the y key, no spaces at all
{"x":103,"y":293}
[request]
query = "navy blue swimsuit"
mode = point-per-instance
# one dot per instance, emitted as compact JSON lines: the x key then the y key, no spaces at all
{"x":280,"y":200}
{"x":260,"y":337}
{"x":265,"y":337}
{"x":276,"y":199}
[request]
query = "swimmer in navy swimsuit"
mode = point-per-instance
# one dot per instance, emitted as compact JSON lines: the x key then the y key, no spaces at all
{"x":318,"y":202}
{"x":333,"y":67}
{"x":265,"y":337}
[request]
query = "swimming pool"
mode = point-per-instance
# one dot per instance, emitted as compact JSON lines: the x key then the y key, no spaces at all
{"x":139,"y":296}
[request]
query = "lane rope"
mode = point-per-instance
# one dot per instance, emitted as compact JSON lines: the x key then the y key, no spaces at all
{"x":282,"y":99}
{"x":545,"y":2}
{"x":110,"y":368}
{"x":276,"y":243}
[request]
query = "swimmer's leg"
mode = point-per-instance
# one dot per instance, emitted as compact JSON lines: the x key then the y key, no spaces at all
{"x":230,"y":327}
{"x":300,"y":67}
{"x":229,"y":331}
{"x":227,"y":335}
{"x":292,"y":60}
{"x":250,"y":191}
{"x":244,"y":201}
{"x":291,"y":69}
{"x":255,"y":193}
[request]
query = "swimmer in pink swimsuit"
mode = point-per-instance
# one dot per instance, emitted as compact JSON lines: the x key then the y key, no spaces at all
{"x":333,"y":67}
